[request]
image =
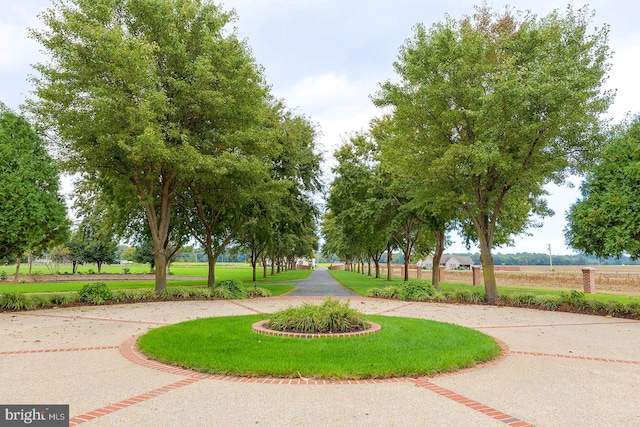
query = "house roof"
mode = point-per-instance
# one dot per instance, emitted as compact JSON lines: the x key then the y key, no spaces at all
{"x":462,"y":259}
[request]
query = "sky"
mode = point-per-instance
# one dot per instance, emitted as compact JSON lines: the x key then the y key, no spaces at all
{"x":325,"y":58}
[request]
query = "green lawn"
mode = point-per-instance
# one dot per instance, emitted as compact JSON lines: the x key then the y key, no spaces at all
{"x":228,"y":272}
{"x":404,"y":347}
{"x":26,"y":288}
{"x":360,"y":284}
{"x":224,"y":271}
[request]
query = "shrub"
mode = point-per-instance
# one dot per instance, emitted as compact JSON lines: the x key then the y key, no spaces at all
{"x":3,"y":275}
{"x":329,"y":317}
{"x":574,"y":298}
{"x":416,"y":290}
{"x":524,"y":299}
{"x":126,"y":271}
{"x":390,"y":292}
{"x":63,"y":299}
{"x":132,"y":295}
{"x":95,"y":293}
{"x":90,"y":271}
{"x":258,"y":292}
{"x":466,"y":295}
{"x":550,"y":302}
{"x":15,"y":301}
{"x":229,"y":289}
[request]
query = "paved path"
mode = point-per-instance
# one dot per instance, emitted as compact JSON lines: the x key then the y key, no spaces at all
{"x":561,"y":369}
{"x":321,"y":283}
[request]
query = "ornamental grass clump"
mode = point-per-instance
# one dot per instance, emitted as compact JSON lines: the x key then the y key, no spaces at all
{"x":329,"y":317}
{"x":229,"y":289}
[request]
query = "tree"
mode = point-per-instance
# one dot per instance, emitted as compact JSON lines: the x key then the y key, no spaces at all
{"x":33,"y":214}
{"x":606,"y":221}
{"x":141,"y":93}
{"x":77,"y":246}
{"x":491,"y":108}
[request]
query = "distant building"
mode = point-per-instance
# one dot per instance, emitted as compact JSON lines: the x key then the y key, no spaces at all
{"x":449,"y":262}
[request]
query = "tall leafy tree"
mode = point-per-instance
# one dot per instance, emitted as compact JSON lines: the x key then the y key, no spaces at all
{"x":140,"y":93}
{"x":490,"y":108}
{"x":33,"y":214}
{"x":606,"y":221}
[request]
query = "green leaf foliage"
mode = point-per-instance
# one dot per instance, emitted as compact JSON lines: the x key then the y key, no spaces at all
{"x":32,"y":213}
{"x":490,"y":108}
{"x":606,"y":221}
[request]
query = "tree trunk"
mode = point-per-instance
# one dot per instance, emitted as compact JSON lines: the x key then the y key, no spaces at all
{"x":30,"y":262}
{"x":211,"y":274}
{"x":406,"y":268}
{"x":273,"y":267}
{"x":264,"y":267}
{"x":99,"y":263}
{"x":160,"y":261}
{"x":389,"y":279}
{"x":377,"y":263}
{"x":437,"y":256}
{"x":369,"y":266}
{"x":488,"y":274}
{"x":253,"y":269}
{"x":18,"y":262}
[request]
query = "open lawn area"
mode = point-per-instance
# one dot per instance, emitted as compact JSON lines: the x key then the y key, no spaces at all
{"x":362,"y":283}
{"x":70,"y":283}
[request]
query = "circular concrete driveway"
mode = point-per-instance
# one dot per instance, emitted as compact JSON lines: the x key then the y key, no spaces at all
{"x":561,"y":369}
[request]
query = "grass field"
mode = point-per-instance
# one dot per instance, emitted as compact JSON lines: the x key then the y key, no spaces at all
{"x":361,"y":283}
{"x":404,"y":347}
{"x":64,"y":283}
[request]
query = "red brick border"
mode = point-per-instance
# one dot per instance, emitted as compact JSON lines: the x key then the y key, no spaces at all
{"x":59,"y":350}
{"x":470,"y":403}
{"x":576,"y":357}
{"x":79,"y":419}
{"x":259,"y":328}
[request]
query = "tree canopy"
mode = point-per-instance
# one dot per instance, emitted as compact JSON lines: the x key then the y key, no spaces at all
{"x":606,"y":221}
{"x":490,"y":108}
{"x":33,"y":214}
{"x":141,"y":95}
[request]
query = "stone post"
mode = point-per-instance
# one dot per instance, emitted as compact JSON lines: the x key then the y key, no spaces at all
{"x":477,"y":275}
{"x":402,"y":272}
{"x":441,"y":273}
{"x":589,"y":280}
{"x":419,"y":273}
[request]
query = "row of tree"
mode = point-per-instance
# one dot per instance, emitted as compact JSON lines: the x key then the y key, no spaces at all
{"x":166,"y":120}
{"x":484,"y":112}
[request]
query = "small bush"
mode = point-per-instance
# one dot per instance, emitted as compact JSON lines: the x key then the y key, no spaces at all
{"x":132,"y":295}
{"x":524,"y":299}
{"x":15,"y":301}
{"x":229,"y":289}
{"x":3,"y":275}
{"x":329,"y":317}
{"x":258,"y":293}
{"x":95,"y":293}
{"x":550,"y":302}
{"x":63,"y":299}
{"x":416,"y":290}
{"x":91,"y":271}
{"x":474,"y":297}
{"x":126,"y":271}
{"x":389,"y":292}
{"x":574,"y":298}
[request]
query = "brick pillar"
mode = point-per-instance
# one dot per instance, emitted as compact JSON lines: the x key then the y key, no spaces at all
{"x":441,"y":273}
{"x":419,"y":273}
{"x":402,"y":271}
{"x":589,"y":280}
{"x":477,"y":275}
